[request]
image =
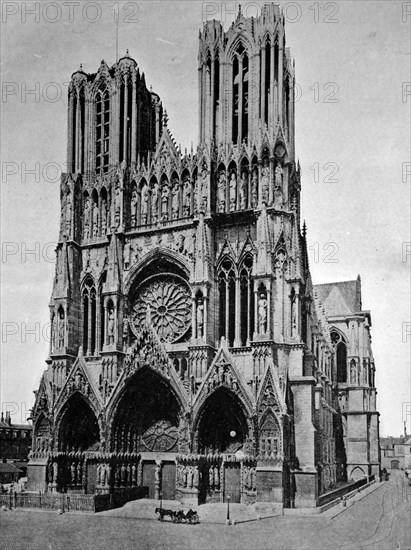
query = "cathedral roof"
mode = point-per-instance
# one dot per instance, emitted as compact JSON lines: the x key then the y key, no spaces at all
{"x":340,"y":298}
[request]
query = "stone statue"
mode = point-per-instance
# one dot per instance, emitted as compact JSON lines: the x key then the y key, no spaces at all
{"x":364,"y":372}
{"x":144,"y":203}
{"x":186,"y":198}
{"x":278,"y":176}
{"x":104,"y":474}
{"x":134,"y":474}
{"x":61,"y":330}
{"x":103,"y":217}
{"x":190,"y":478}
{"x":79,"y":472}
{"x":278,"y":186}
{"x":216,"y":477}
{"x":117,"y":205}
{"x":164,"y":202}
{"x":278,"y":197}
{"x":185,"y":475}
{"x":110,"y":327}
{"x":133,"y":207}
{"x":211,"y":477}
{"x":95,"y":220}
{"x":221,"y":191}
{"x":128,"y":251}
{"x":175,"y":203}
{"x":73,"y":472}
{"x":69,"y":210}
{"x":55,"y":471}
{"x":353,"y":372}
{"x":265,"y":180}
{"x":254,"y":188}
{"x":243,"y":191}
{"x":200,"y":319}
{"x":86,"y":233}
{"x":233,"y":192}
{"x":123,"y":473}
{"x":262,"y":313}
{"x":50,"y":472}
{"x":204,"y":189}
{"x":196,"y":478}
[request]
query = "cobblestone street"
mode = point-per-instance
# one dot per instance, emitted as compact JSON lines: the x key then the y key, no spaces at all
{"x":379,"y":521}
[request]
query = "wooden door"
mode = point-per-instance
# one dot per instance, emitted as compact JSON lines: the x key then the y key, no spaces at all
{"x":91,"y":478}
{"x":149,"y":469}
{"x":168,"y":480}
{"x":232,"y":479}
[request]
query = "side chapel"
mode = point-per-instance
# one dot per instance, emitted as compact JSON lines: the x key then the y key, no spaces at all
{"x":190,"y":352}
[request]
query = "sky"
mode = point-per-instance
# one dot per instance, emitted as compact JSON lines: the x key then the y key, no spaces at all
{"x":353,"y":102}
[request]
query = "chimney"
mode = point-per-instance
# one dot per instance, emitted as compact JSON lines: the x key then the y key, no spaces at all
{"x":8,"y":419}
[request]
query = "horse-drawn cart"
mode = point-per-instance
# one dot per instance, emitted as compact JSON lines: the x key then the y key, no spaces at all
{"x":178,"y":516}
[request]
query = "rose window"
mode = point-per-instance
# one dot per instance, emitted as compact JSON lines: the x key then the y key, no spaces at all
{"x":160,"y":437}
{"x":166,"y":300}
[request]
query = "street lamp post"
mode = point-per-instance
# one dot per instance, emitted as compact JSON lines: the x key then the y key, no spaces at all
{"x":161,"y":500}
{"x":228,"y":510}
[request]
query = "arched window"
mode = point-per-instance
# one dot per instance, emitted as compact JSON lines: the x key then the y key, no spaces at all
{"x":78,"y":137}
{"x":246,"y":301}
{"x":102,"y":323}
{"x":126,"y":105}
{"x":340,"y":347}
{"x":102,"y":130}
{"x":244,"y":102}
{"x":89,"y":317}
{"x":240,"y":95}
{"x":216,"y":101}
{"x":236,"y":98}
{"x":227,"y":282}
{"x":266,"y":69}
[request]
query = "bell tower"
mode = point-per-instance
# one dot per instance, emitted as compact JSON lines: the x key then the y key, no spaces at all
{"x":246,"y":79}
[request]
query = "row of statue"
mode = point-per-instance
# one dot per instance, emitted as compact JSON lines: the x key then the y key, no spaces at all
{"x":171,"y":201}
{"x":163,"y":203}
{"x":222,"y":375}
{"x":187,"y":476}
{"x":249,"y":478}
{"x":358,"y":373}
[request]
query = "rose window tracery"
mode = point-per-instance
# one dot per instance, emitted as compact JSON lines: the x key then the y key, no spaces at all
{"x":161,"y":437}
{"x":166,"y":300}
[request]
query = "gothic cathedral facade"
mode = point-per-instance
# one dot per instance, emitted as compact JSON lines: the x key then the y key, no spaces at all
{"x":190,"y":352}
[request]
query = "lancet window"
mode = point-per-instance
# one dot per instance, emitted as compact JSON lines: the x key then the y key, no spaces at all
{"x":236,"y":301}
{"x":102,"y":130}
{"x":240,"y":95}
{"x":340,"y":347}
{"x":89,"y":299}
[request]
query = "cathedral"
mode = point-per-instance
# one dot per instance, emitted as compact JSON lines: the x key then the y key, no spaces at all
{"x":191,"y":353}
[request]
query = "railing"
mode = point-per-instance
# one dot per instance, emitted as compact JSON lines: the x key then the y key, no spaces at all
{"x":70,"y":502}
{"x":342,"y":491}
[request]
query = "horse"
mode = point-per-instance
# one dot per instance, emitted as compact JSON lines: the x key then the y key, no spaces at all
{"x":162,"y":512}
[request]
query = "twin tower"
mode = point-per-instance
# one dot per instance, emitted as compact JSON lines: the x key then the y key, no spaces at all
{"x":191,"y":354}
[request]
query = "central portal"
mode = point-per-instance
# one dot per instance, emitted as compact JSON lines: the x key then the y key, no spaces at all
{"x":147,"y":416}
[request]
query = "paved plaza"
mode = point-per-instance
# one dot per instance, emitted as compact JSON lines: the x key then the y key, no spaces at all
{"x":379,"y":520}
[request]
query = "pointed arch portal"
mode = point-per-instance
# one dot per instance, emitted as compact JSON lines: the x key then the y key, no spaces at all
{"x":79,"y":429}
{"x":222,"y":426}
{"x":146,"y":420}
